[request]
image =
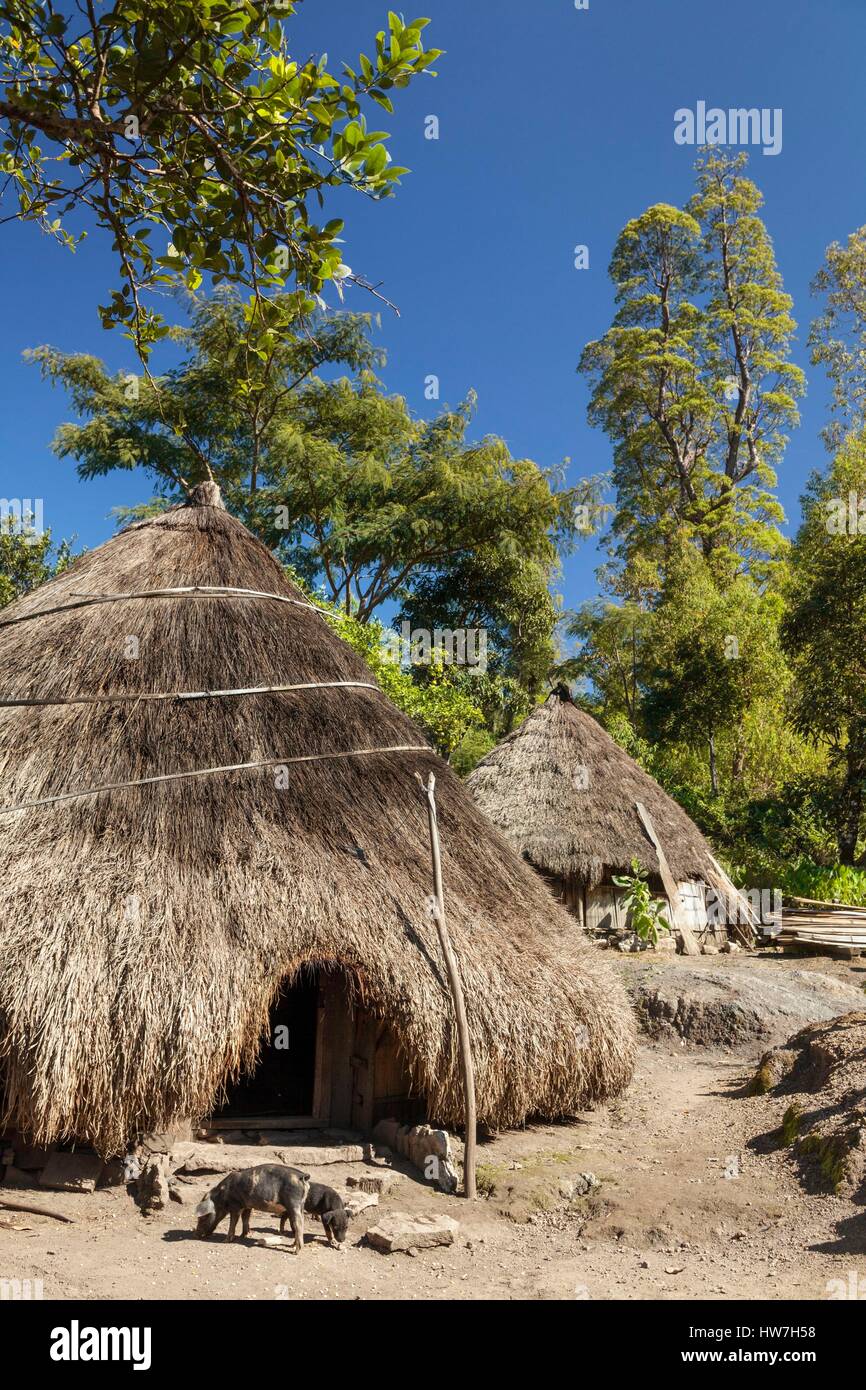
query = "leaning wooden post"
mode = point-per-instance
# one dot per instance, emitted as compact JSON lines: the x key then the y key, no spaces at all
{"x":456,"y":990}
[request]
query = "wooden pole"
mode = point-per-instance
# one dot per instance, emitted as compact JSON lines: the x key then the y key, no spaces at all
{"x":690,"y":945}
{"x":456,"y":990}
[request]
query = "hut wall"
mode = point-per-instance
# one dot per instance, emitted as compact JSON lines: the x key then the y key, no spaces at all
{"x":604,"y":910}
{"x":694,"y":905}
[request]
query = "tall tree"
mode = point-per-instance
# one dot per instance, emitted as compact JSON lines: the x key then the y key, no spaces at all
{"x":692,"y":381}
{"x":614,"y":645}
{"x":838,"y":336}
{"x":824,"y":630}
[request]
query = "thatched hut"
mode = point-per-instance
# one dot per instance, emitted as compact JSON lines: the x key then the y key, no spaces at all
{"x":574,"y":804}
{"x":209,"y":898}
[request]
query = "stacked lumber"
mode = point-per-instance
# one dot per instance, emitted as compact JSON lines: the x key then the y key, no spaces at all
{"x":829,"y":926}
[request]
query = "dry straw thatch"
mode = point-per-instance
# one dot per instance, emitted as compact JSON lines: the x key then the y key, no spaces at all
{"x":565,"y":795}
{"x":144,"y":932}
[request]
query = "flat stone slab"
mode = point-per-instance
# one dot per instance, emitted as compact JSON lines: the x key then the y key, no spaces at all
{"x":399,"y":1231}
{"x":225,"y":1158}
{"x":355,"y":1201}
{"x":71,"y":1172}
{"x":275,"y":1241}
{"x":742,"y":1001}
{"x":379,"y":1182}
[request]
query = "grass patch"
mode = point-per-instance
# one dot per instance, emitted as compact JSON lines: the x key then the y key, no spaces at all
{"x":832,"y":1157}
{"x":762,"y":1081}
{"x":791,"y":1121}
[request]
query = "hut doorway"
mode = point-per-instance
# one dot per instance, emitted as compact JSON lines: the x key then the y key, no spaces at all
{"x":283,"y":1082}
{"x":326,"y":1063}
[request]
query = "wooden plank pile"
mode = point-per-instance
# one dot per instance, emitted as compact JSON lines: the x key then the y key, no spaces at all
{"x":823,"y":926}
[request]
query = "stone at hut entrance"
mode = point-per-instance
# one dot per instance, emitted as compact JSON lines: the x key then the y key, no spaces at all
{"x":153,"y":1189}
{"x":224,"y":1158}
{"x":430,"y":1150}
{"x":399,"y":1231}
{"x":75,"y":1172}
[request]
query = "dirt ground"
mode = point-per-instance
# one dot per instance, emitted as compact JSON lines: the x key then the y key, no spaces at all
{"x":696,"y":1201}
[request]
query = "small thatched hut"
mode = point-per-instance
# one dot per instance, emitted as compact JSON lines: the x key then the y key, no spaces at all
{"x":184,"y":905}
{"x":569,"y":799}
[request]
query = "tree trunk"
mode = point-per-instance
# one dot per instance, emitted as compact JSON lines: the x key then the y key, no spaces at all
{"x":714,"y":776}
{"x":853,"y":807}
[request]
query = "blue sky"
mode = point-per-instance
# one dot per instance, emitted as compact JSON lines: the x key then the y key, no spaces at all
{"x":556,"y":127}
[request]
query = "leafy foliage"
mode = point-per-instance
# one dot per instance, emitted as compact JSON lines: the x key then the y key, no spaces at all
{"x":715,"y":651}
{"x":647,"y":921}
{"x":189,"y":133}
{"x":218,"y":414}
{"x":439,"y":704}
{"x":26,"y":561}
{"x":824,"y":632}
{"x":838,"y":336}
{"x":341,"y":479}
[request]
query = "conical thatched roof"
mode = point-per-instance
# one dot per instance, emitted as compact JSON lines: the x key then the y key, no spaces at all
{"x":564,"y":794}
{"x":144,"y":931}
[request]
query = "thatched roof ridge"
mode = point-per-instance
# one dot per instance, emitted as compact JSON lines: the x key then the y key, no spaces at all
{"x":564,"y":794}
{"x":145,"y":931}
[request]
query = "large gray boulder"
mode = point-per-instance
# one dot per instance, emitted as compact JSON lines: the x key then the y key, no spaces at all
{"x":731,"y":1002}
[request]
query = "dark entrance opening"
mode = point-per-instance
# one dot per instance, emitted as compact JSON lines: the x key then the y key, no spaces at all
{"x":282,"y":1083}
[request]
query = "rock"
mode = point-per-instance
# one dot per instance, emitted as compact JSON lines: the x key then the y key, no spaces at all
{"x":224,"y":1158}
{"x":580,"y":1185}
{"x":153,"y":1188}
{"x":732,"y":1001}
{"x":381,"y":1155}
{"x":380,"y":1183}
{"x":386,"y":1132}
{"x":356,"y":1201}
{"x":274,"y":1241}
{"x":399,"y":1231}
{"x":824,"y":1128}
{"x":430,"y":1150}
{"x":75,"y":1172}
